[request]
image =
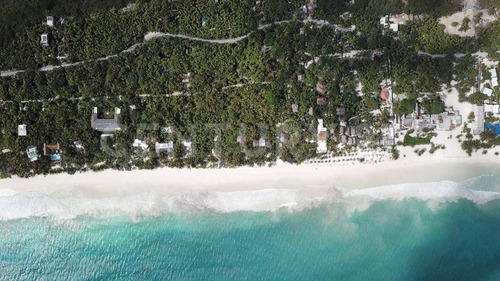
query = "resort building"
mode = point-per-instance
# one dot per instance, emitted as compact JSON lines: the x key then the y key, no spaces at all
{"x":166,"y":146}
{"x":21,"y":130}
{"x":494,"y":77}
{"x":50,"y":21}
{"x":487,"y":91}
{"x":322,"y":138}
{"x":187,"y":145}
{"x":53,"y":150}
{"x":392,"y":22}
{"x":32,"y":153}
{"x":478,"y":125}
{"x":44,"y":39}
{"x":445,"y":121}
{"x":261,"y":143}
{"x":106,"y":125}
{"x":492,"y":108}
{"x":140,"y":144}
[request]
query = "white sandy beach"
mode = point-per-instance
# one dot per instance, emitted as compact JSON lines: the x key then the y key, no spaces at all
{"x":412,"y":168}
{"x":146,"y":192}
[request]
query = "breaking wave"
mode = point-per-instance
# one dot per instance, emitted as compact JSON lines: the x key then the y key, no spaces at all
{"x":72,"y":203}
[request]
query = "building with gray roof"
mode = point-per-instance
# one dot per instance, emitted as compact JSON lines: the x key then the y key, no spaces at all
{"x":105,"y":125}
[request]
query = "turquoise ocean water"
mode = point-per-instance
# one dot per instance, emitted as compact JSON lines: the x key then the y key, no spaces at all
{"x":410,"y":239}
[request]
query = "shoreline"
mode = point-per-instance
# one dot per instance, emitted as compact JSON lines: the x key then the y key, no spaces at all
{"x":354,"y":175}
{"x":145,"y":193}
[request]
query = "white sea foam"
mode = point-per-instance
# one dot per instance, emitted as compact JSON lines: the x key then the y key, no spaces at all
{"x":71,"y":203}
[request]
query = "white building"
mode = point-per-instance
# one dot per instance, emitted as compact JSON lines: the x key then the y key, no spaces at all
{"x":32,"y":153}
{"x":322,"y":137}
{"x":21,"y":130}
{"x":78,"y":145}
{"x":494,"y":77}
{"x":445,"y":121}
{"x":261,"y":143}
{"x":478,"y":125}
{"x":140,"y":144}
{"x":187,"y":145}
{"x":50,"y":21}
{"x":487,"y":91}
{"x":492,"y":108}
{"x":44,"y":39}
{"x":167,"y":146}
{"x":393,"y":24}
{"x":384,"y":21}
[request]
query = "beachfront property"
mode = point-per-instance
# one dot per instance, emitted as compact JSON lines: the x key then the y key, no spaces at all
{"x":446,"y":121}
{"x":387,"y":141}
{"x":478,"y":125}
{"x":50,"y":21}
{"x":494,"y":77}
{"x":347,"y":135}
{"x":487,"y":91}
{"x":53,"y":150}
{"x":140,"y":144}
{"x":32,"y":153}
{"x":491,"y":108}
{"x":322,"y":138}
{"x":44,"y":39}
{"x":21,"y":130}
{"x":165,"y":146}
{"x":261,"y":143}
{"x":187,"y":145}
{"x":106,"y":125}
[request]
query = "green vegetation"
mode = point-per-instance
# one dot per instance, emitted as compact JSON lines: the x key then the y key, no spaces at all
{"x":432,"y":105}
{"x":429,"y":36}
{"x":489,"y":3}
{"x":416,"y":140}
{"x":210,"y":94}
{"x":16,"y":15}
{"x":490,"y":39}
{"x":210,"y":108}
{"x":371,"y":9}
{"x":465,"y":24}
{"x":112,"y":31}
{"x":465,"y":72}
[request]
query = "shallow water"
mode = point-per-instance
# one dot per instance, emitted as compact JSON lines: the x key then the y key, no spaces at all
{"x":385,"y":239}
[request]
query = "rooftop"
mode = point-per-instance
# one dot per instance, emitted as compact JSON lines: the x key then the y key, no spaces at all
{"x":105,"y":125}
{"x":21,"y":130}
